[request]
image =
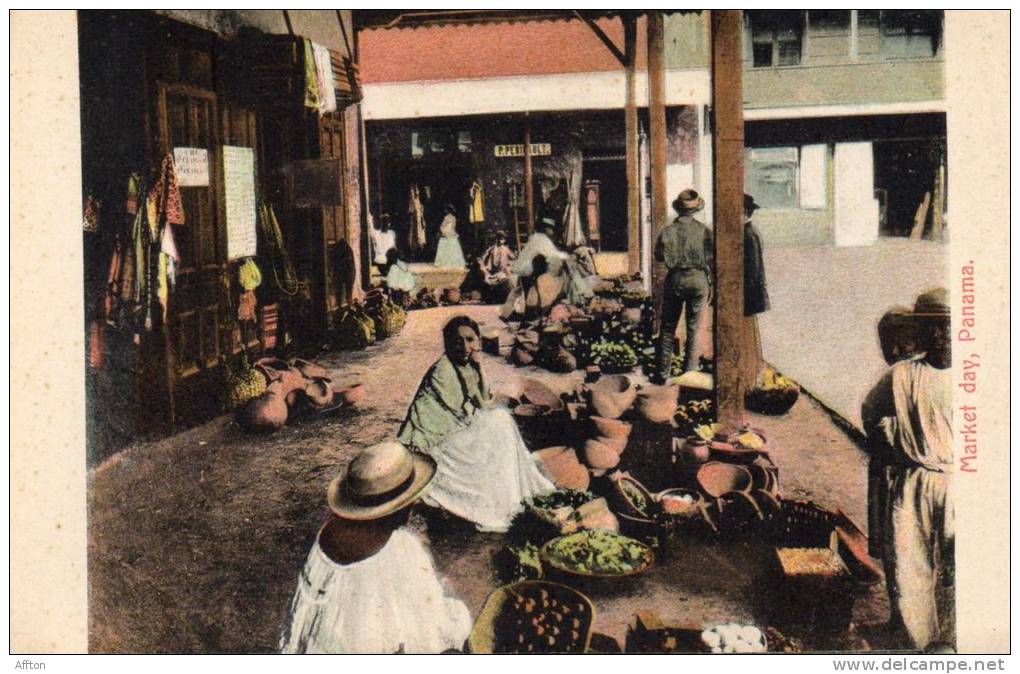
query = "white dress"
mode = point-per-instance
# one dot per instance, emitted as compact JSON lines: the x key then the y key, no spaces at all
{"x":382,"y":242}
{"x":449,"y":252}
{"x":485,"y":471}
{"x":391,"y":602}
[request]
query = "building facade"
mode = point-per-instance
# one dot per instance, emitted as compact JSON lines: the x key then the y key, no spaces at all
{"x":229,"y":90}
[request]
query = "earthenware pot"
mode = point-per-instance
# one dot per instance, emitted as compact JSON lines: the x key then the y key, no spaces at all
{"x":563,"y":466}
{"x":716,"y":478}
{"x":538,"y":393}
{"x":612,"y":396}
{"x":352,"y":394}
{"x":611,"y":428}
{"x":600,"y":456}
{"x":696,"y":449}
{"x":657,"y":404}
{"x":265,"y":413}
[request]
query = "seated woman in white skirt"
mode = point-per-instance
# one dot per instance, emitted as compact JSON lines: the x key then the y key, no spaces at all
{"x":484,"y":469}
{"x":369,"y":584}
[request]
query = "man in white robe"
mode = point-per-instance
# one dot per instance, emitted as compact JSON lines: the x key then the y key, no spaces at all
{"x":908,"y":420}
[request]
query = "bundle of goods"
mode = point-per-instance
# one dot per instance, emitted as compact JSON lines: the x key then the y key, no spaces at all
{"x":291,"y":391}
{"x":389,"y":318}
{"x":356,"y":329}
{"x":775,"y":396}
{"x":244,"y":383}
{"x":595,"y":554}
{"x":533,"y":617}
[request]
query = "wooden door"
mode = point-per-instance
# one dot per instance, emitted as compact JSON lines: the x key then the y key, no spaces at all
{"x":198,"y":317}
{"x":339,"y":257}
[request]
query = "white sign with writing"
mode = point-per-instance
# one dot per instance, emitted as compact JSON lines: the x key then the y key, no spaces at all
{"x":192,"y":166}
{"x":537,"y":150}
{"x":239,"y":201}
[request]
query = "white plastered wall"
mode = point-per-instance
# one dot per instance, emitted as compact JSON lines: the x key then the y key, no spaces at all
{"x":856,"y":209}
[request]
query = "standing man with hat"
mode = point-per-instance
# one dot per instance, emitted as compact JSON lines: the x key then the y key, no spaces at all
{"x":756,"y":295}
{"x":369,"y":585}
{"x":685,"y":246}
{"x":907,"y":417}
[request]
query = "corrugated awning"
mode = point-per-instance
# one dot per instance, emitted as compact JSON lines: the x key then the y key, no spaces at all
{"x":381,"y":19}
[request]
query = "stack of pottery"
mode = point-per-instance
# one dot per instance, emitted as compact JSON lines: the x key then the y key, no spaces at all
{"x":611,"y":396}
{"x":293,"y":387}
{"x":563,"y":466}
{"x":608,"y":440}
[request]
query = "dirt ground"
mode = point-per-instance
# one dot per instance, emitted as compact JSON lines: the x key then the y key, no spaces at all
{"x":196,"y":541}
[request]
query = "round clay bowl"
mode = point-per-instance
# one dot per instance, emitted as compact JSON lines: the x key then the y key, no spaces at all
{"x":611,"y":428}
{"x":612,"y":395}
{"x":310,"y":369}
{"x":319,"y":391}
{"x":538,"y":393}
{"x":671,"y":505}
{"x":352,"y":395}
{"x":600,"y":456}
{"x":266,"y":413}
{"x":696,"y":449}
{"x":716,"y":478}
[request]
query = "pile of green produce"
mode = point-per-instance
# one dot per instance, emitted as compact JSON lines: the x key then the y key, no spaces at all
{"x":634,"y":496}
{"x":245,"y":383}
{"x":598,"y":552}
{"x":516,"y":563}
{"x":691,"y":415}
{"x":613,"y":355}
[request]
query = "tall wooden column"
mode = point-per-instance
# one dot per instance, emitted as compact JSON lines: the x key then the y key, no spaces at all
{"x":728,"y":146}
{"x":657,"y":139}
{"x":529,"y":187}
{"x":633,"y":152}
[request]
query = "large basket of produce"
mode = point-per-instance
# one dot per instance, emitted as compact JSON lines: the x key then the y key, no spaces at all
{"x":533,"y":617}
{"x":613,"y":357}
{"x":389,"y":319}
{"x":595,"y":555}
{"x":775,"y":396}
{"x":356,"y":330}
{"x":244,"y":384}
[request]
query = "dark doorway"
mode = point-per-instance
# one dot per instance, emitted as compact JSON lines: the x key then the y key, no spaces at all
{"x":611,"y":174}
{"x":905,"y":170}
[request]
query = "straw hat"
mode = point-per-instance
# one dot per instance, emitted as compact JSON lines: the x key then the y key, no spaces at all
{"x":379,"y":481}
{"x":688,"y":202}
{"x":933,"y":303}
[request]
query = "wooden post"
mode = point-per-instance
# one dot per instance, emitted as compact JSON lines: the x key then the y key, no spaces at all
{"x":657,"y":139}
{"x":938,"y":203}
{"x":529,"y":188}
{"x":728,"y":140}
{"x":633,"y":152}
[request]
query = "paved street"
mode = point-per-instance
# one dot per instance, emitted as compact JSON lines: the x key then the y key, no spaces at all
{"x":196,"y":541}
{"x":826,"y":302}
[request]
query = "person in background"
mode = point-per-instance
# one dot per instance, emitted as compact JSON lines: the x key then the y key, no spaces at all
{"x":369,"y":584}
{"x":907,"y":418}
{"x":449,"y":253}
{"x":485,"y":470}
{"x":383,"y":241}
{"x":756,"y":295}
{"x":398,"y":275}
{"x":495,"y":266}
{"x":685,"y":246}
{"x":546,"y":289}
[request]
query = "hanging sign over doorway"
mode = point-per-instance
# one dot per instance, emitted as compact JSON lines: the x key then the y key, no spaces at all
{"x":537,"y":150}
{"x":239,"y":201}
{"x":192,"y":166}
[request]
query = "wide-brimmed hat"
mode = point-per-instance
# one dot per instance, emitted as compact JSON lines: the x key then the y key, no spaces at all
{"x":379,"y":481}
{"x":688,"y":202}
{"x":547,"y":222}
{"x":932,"y":303}
{"x":749,"y":205}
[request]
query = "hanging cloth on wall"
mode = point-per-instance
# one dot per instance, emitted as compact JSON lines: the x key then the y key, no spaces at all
{"x":324,"y":79}
{"x":311,"y":78}
{"x":591,"y":201}
{"x":476,"y":212}
{"x":90,"y":219}
{"x":573,"y":233}
{"x":132,"y":195}
{"x":166,"y":194}
{"x":416,"y":235}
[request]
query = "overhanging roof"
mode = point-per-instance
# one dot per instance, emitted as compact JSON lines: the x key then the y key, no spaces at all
{"x":422,"y":18}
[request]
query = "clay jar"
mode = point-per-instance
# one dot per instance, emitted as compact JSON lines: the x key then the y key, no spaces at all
{"x":696,"y":449}
{"x":611,"y":396}
{"x":566,"y":471}
{"x":657,"y":404}
{"x":600,"y":456}
{"x":267,"y":412}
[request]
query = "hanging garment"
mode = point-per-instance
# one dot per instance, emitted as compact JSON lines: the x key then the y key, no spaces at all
{"x":311,"y":78}
{"x":324,"y":78}
{"x":132,"y":195}
{"x":246,"y":306}
{"x":394,"y":601}
{"x":166,"y":193}
{"x":476,"y":213}
{"x":573,"y":232}
{"x":90,"y":219}
{"x":449,"y":252}
{"x":591,"y":197}
{"x":416,"y":235}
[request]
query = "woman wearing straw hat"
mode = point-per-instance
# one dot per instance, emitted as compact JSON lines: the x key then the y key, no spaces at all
{"x":369,"y":585}
{"x":907,"y":417}
{"x":484,"y":469}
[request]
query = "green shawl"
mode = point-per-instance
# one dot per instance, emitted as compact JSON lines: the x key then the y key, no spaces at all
{"x":447,"y":397}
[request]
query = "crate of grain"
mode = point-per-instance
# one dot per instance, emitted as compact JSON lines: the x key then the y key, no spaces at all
{"x":813,"y":587}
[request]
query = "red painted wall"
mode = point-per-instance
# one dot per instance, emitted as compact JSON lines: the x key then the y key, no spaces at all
{"x":490,"y":50}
